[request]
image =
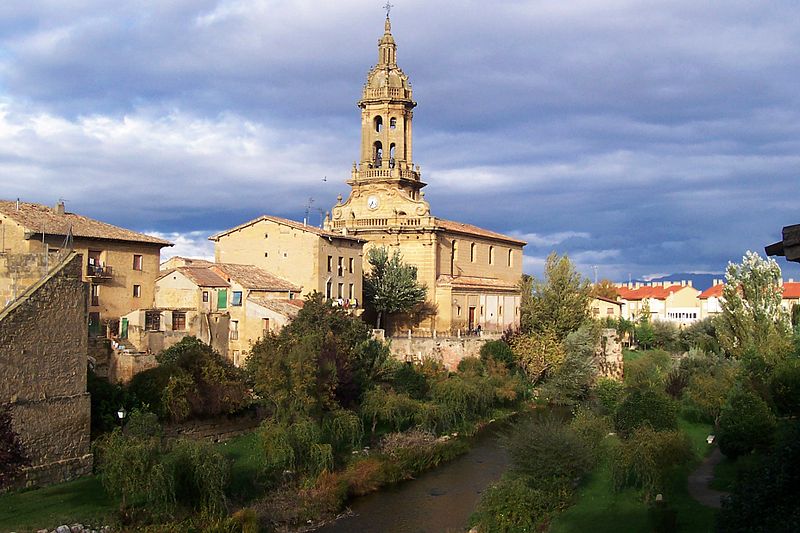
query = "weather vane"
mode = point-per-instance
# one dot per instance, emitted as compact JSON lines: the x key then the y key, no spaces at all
{"x":388,"y":7}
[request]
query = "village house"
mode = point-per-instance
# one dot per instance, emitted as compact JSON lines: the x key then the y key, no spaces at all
{"x":667,"y":301}
{"x":227,"y":306}
{"x":120,"y":265}
{"x":711,"y":299}
{"x":602,"y":308}
{"x":310,"y":258}
{"x":472,"y":274}
{"x":178,"y":261}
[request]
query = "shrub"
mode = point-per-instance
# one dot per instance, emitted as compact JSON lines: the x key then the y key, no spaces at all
{"x":512,"y":506}
{"x":591,"y":429}
{"x":610,"y":393}
{"x":497,"y":351}
{"x":200,"y":476}
{"x":296,"y":447}
{"x":708,"y":389}
{"x":410,"y":380}
{"x":463,"y":399}
{"x":645,"y":407}
{"x":745,"y":424}
{"x":645,"y":459}
{"x":784,"y":386}
{"x":106,"y":400}
{"x":648,"y":371}
{"x":675,"y":382}
{"x":364,"y":476}
{"x":387,"y":408}
{"x":548,"y":452}
{"x":665,"y":335}
{"x":471,"y":366}
{"x":537,"y":354}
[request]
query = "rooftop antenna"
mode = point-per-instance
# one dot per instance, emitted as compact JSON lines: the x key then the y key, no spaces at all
{"x":309,"y":205}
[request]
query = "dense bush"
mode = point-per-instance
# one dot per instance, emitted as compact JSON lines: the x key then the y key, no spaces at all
{"x":645,"y":407}
{"x":645,"y":459}
{"x":409,"y":379}
{"x":708,"y":390}
{"x":784,"y":386}
{"x":548,"y":452}
{"x":570,"y":382}
{"x":701,"y":335}
{"x":592,"y":429}
{"x":497,"y":351}
{"x":463,"y":399}
{"x":665,"y":335}
{"x":537,"y":354}
{"x":610,"y":393}
{"x":389,"y":409}
{"x":513,"y":506}
{"x":649,"y":370}
{"x":745,"y":424}
{"x":296,"y":447}
{"x":192,"y":380}
{"x":764,"y":497}
{"x":106,"y":399}
{"x":199,"y":476}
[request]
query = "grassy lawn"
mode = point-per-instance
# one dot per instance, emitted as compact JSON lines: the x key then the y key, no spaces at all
{"x":246,"y":455}
{"x":83,"y":500}
{"x":600,"y":509}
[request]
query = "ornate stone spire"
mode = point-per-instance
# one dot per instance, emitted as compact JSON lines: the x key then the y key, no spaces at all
{"x":387,"y":49}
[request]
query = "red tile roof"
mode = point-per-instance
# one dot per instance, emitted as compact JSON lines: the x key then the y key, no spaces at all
{"x":469,"y":229}
{"x":37,"y":218}
{"x":714,"y":291}
{"x":791,"y":290}
{"x":290,"y":223}
{"x":655,"y":293}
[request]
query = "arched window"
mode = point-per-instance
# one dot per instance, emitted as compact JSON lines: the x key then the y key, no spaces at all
{"x":392,"y":123}
{"x":491,"y":255}
{"x":391,"y":155}
{"x":472,"y":252}
{"x":377,"y":153}
{"x":378,"y":123}
{"x":510,"y":257}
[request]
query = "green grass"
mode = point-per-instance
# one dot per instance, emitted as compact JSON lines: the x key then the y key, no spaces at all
{"x":600,"y":509}
{"x":83,"y":500}
{"x":726,"y":471}
{"x":245,"y":454}
{"x":632,"y":355}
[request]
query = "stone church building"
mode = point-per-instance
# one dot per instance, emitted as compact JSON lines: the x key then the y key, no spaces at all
{"x":472,"y":274}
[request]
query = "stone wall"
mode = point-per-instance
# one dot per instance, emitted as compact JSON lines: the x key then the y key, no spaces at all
{"x":447,"y":350}
{"x":43,"y":358}
{"x":17,"y":273}
{"x":125,"y":365}
{"x":608,"y":356}
{"x":216,"y":429}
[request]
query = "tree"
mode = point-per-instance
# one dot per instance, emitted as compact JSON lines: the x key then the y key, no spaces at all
{"x":752,"y":320}
{"x":605,"y":288}
{"x":559,"y":303}
{"x":391,"y":286}
{"x":745,"y":424}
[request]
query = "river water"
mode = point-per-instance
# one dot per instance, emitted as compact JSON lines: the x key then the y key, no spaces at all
{"x":438,"y":501}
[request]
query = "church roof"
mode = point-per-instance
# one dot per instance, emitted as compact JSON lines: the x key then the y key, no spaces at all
{"x":469,"y":229}
{"x":289,"y":223}
{"x":39,"y":218}
{"x":473,"y":282}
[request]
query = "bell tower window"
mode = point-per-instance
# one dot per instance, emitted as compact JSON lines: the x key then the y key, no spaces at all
{"x":377,"y":153}
{"x":391,"y":155}
{"x":378,"y":124}
{"x":392,"y":123}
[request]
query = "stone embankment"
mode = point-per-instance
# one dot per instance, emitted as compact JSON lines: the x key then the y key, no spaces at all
{"x":77,"y":528}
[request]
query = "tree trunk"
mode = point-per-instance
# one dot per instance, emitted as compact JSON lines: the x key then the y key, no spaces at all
{"x":378,"y":321}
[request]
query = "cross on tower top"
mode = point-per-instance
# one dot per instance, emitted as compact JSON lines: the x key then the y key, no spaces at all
{"x":388,"y":7}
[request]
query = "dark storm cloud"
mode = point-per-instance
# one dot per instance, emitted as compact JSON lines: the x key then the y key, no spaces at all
{"x":643,"y":138}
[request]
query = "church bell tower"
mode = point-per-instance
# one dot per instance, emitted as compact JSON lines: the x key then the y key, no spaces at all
{"x":385,"y":183}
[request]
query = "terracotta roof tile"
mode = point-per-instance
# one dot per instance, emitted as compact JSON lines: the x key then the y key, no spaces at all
{"x":791,"y":290}
{"x":288,"y":308}
{"x":474,"y":282}
{"x":38,"y":218}
{"x":469,"y":229}
{"x":714,"y":291}
{"x":656,"y":293}
{"x":254,"y":278}
{"x":290,"y":223}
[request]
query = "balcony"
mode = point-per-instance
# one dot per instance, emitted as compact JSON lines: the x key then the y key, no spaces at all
{"x":99,"y":274}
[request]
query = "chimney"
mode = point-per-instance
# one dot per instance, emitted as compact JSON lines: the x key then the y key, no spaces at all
{"x":60,"y":207}
{"x":17,"y":204}
{"x":683,"y":283}
{"x":689,"y":282}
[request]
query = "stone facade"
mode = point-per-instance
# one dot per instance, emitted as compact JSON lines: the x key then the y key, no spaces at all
{"x":43,"y":359}
{"x":608,"y":356}
{"x":472,"y":274}
{"x":448,"y":351}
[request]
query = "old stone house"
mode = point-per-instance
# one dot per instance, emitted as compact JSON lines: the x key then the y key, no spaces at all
{"x":120,"y":265}
{"x":306,"y":256}
{"x":472,"y":274}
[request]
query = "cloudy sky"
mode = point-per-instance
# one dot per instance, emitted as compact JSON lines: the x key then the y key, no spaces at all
{"x":643,"y":137}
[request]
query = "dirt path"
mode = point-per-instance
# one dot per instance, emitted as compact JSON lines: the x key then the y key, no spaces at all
{"x":701,"y":477}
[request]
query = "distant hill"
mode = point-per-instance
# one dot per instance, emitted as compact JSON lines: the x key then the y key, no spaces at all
{"x":699,"y":281}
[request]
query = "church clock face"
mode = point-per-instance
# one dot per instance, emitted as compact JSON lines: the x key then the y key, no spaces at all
{"x":372,"y":202}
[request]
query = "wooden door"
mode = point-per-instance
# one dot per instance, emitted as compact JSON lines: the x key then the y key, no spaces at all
{"x":471,"y":318}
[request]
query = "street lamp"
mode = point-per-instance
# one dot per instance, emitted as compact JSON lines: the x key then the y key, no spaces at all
{"x":121,"y":413}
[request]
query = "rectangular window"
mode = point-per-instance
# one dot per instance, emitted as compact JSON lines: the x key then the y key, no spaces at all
{"x":137,"y":262}
{"x":510,"y":257}
{"x":340,"y":266}
{"x":222,"y":299}
{"x":265,"y":324}
{"x":610,"y":311}
{"x":352,"y":293}
{"x":596,"y":311}
{"x":328,"y":289}
{"x":152,"y":321}
{"x":330,"y":263}
{"x":137,"y":291}
{"x":234,"y":330}
{"x":205,"y":296}
{"x":351,"y":264}
{"x":341,"y":290}
{"x":236,"y":299}
{"x":178,"y":321}
{"x":95,"y":291}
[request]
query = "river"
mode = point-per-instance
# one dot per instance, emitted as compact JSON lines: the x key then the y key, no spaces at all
{"x":437,"y":501}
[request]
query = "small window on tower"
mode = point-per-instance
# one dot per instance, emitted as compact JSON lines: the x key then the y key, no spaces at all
{"x":392,"y":123}
{"x":378,"y":123}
